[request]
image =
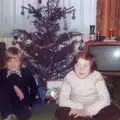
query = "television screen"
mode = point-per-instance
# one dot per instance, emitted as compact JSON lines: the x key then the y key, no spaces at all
{"x":107,"y":57}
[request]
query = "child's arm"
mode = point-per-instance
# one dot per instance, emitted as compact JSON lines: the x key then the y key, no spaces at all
{"x":14,"y":82}
{"x":33,"y":90}
{"x":103,"y":97}
{"x":32,"y":87}
{"x":19,"y":92}
{"x":64,"y":97}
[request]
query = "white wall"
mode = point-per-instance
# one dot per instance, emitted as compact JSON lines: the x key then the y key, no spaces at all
{"x":11,"y":18}
{"x":85,"y":14}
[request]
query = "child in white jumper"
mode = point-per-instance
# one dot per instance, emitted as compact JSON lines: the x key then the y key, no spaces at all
{"x":84,"y":94}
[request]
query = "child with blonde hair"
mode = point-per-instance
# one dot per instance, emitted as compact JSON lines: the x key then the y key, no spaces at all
{"x":20,"y":84}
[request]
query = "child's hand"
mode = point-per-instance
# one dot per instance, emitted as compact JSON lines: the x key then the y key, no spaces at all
{"x":19,"y":92}
{"x":76,"y":113}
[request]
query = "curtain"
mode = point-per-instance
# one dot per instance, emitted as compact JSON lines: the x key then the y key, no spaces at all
{"x":108,"y":16}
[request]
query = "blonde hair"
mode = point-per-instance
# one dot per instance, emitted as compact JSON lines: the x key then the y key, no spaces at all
{"x":13,"y":52}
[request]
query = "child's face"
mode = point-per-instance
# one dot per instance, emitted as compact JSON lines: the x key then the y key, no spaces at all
{"x":82,"y":68}
{"x":13,"y":64}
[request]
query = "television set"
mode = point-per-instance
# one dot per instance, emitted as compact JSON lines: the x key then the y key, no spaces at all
{"x":107,"y":56}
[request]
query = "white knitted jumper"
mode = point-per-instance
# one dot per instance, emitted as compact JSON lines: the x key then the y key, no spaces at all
{"x":90,"y":93}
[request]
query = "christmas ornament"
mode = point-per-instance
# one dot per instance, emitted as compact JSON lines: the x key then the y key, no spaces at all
{"x":36,"y":54}
{"x":39,"y":1}
{"x":28,"y":42}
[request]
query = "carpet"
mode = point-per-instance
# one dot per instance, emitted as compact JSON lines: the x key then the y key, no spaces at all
{"x":44,"y":112}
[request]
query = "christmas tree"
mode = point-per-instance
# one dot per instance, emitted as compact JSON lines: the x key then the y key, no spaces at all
{"x":48,"y":52}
